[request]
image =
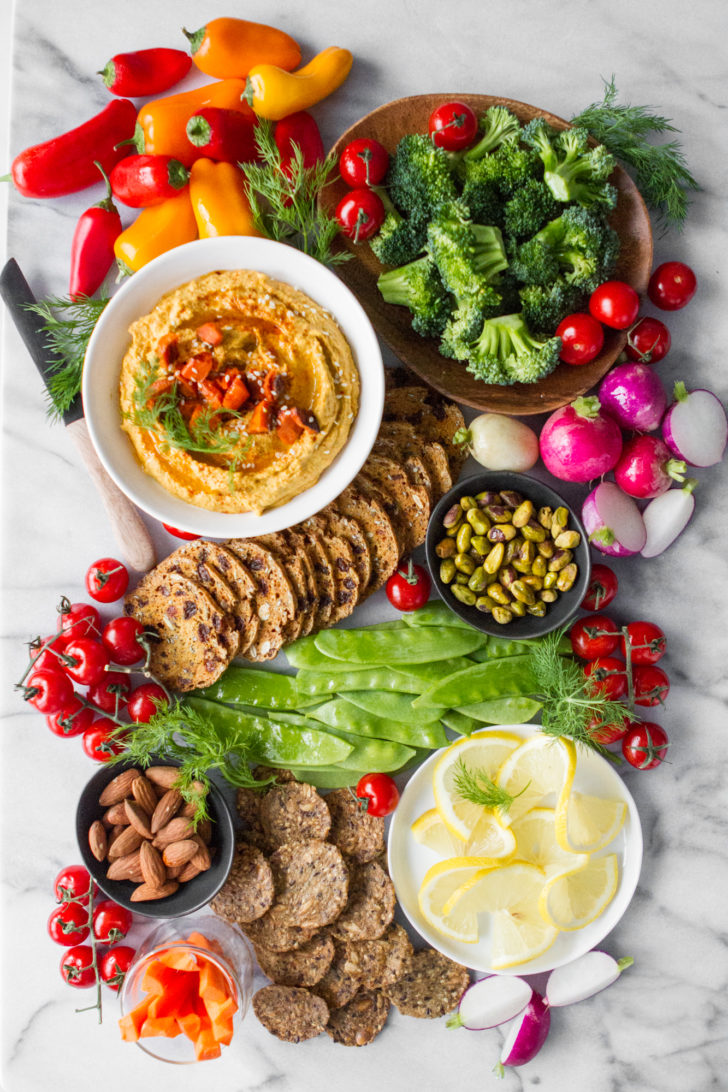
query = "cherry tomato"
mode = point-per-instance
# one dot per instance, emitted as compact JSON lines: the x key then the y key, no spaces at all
{"x":409,"y":589}
{"x":645,"y":745}
{"x":360,"y":214}
{"x":453,"y":126}
{"x":72,"y":720}
{"x":672,"y":286}
{"x":79,"y":620}
{"x":608,"y":733}
{"x":582,"y":338}
{"x":72,"y":882}
{"x":89,"y":660}
{"x":363,"y":162}
{"x":110,"y":692}
{"x":48,"y":690}
{"x":111,"y":922}
{"x":48,"y":657}
{"x":107,"y":580}
{"x":98,"y":742}
{"x":77,"y":967}
{"x":378,"y":794}
{"x":651,"y":685}
{"x":648,"y":341}
{"x":68,"y":924}
{"x":615,"y":304}
{"x":120,"y":638}
{"x":647,"y":643}
{"x":180,"y":534}
{"x":113,"y":965}
{"x":602,"y":588}
{"x":607,"y":677}
{"x":594,"y":636}
{"x":143,"y":702}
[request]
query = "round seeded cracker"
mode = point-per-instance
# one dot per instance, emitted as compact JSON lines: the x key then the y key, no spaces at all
{"x":305,"y":966}
{"x":337,"y":986}
{"x":272,"y":932}
{"x":289,"y":1013}
{"x":356,"y":833}
{"x":294,"y":812}
{"x":431,"y":987}
{"x":311,"y":882}
{"x":370,"y":906}
{"x":248,"y":892}
{"x":382,"y":962}
{"x":358,"y":1023}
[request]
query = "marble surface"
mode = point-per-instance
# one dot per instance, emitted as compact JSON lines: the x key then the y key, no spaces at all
{"x":662,"y":1027}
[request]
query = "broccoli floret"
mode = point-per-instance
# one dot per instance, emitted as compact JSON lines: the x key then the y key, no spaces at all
{"x":544,"y":306}
{"x":481,"y":194}
{"x":510,"y":166}
{"x":466,"y":322}
{"x":419,"y":287}
{"x":529,"y":209}
{"x":467,"y":255}
{"x":399,"y":240}
{"x":499,"y":126}
{"x":420,"y":177}
{"x":579,"y":244}
{"x":572,"y":170}
{"x":506,"y":352}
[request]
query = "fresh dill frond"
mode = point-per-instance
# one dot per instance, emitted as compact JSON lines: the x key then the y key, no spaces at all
{"x":476,"y":787}
{"x":67,"y":325}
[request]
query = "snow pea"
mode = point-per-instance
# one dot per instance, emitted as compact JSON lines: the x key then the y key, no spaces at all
{"x":319,"y":683}
{"x":342,"y":714}
{"x":427,"y":674}
{"x":412,"y":645}
{"x":481,"y":682}
{"x":500,"y":647}
{"x":246,"y":686}
{"x":435,"y":613}
{"x":389,"y":706}
{"x":372,"y":755}
{"x":459,"y":723}
{"x":514,"y":710}
{"x":304,"y":655}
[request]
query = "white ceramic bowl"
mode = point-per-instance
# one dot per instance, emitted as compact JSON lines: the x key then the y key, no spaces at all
{"x":409,"y":861}
{"x":138,"y":296}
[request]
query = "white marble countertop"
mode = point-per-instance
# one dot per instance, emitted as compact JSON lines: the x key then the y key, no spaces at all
{"x":662,"y":1027}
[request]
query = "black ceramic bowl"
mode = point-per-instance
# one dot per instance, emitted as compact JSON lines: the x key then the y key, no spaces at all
{"x":558,"y":613}
{"x":189,"y":896}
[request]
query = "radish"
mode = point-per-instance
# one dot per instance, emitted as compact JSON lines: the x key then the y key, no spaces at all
{"x":526,"y":1036}
{"x":666,"y":517}
{"x":499,"y":442}
{"x":581,"y":979}
{"x":580,"y":441}
{"x":634,"y":396}
{"x":695,"y":427}
{"x":645,"y":468}
{"x":613,"y":521}
{"x":491,"y":1001}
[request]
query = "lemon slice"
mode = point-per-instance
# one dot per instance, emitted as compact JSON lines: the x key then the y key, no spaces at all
{"x":540,"y":767}
{"x":511,"y":894}
{"x":485,"y":753}
{"x":489,"y":838}
{"x":535,"y":836}
{"x":571,"y":900}
{"x":440,"y":897}
{"x":587,"y":823}
{"x":430,"y":831}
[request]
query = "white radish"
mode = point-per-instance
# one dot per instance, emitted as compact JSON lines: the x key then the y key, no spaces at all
{"x":586,"y":976}
{"x":490,"y":1002}
{"x":527,"y":1034}
{"x":613,"y":521}
{"x":666,"y":517}
{"x":499,"y":442}
{"x":695,"y":427}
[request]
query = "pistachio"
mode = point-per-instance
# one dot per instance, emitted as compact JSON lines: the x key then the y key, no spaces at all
{"x":498,"y":513}
{"x":479,"y":522}
{"x":453,"y":517}
{"x":494,"y":560}
{"x":522,"y":592}
{"x":480,"y":544}
{"x":468,"y":502}
{"x":523,"y":514}
{"x":502,"y":532}
{"x":568,"y":540}
{"x":518,"y":608}
{"x":465,"y":595}
{"x":499,"y":593}
{"x":566,"y":577}
{"x":546,"y":517}
{"x":502,"y":615}
{"x":447,"y":571}
{"x":463,"y":537}
{"x":464,"y":564}
{"x":485,"y":604}
{"x":446,"y":548}
{"x":533,"y":531}
{"x":549,"y":595}
{"x":511,"y":498}
{"x":538,"y":610}
{"x":560,"y":560}
{"x":479,"y":580}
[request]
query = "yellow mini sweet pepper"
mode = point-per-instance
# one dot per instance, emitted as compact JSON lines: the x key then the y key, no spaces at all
{"x":219,"y":202}
{"x":156,"y":230}
{"x":274,"y":93}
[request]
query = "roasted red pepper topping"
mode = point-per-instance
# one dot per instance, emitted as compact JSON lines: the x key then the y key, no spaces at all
{"x":261,"y":419}
{"x":209,"y":333}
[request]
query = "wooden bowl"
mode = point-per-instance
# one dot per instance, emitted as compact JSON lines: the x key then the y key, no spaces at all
{"x":388,"y":124}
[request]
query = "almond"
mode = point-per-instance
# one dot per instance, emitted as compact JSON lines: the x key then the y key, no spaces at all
{"x":98,"y":840}
{"x":152,"y":866}
{"x":119,"y":787}
{"x":138,"y":818}
{"x":202,"y":858}
{"x":144,"y":794}
{"x":188,"y":809}
{"x":165,"y":776}
{"x":166,"y":809}
{"x":115,"y":832}
{"x":126,"y":868}
{"x":116,"y":815}
{"x":145,"y":893}
{"x":189,"y":872}
{"x":174,"y":831}
{"x":178,"y":853}
{"x":175,"y":873}
{"x":129,"y":840}
{"x":204,"y":829}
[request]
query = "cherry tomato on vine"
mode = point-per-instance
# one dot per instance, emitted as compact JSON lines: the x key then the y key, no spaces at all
{"x":645,"y":745}
{"x":144,"y":701}
{"x":98,"y":742}
{"x":121,"y":637}
{"x":453,"y":126}
{"x":672,"y":286}
{"x":648,"y":341}
{"x":378,"y":794}
{"x":77,"y":967}
{"x":72,"y":882}
{"x":111,"y":922}
{"x":602,"y":588}
{"x":606,"y":676}
{"x":360,"y":214}
{"x":107,"y":580}
{"x":113,"y":965}
{"x":48,"y":690}
{"x":79,"y":620}
{"x":651,"y":684}
{"x":615,"y":304}
{"x":68,"y":924}
{"x":647,"y":643}
{"x":72,"y":720}
{"x":89,"y":660}
{"x":608,"y":733}
{"x":49,"y":657}
{"x":110,"y":692}
{"x":363,"y":162}
{"x":409,"y":588}
{"x":180,"y":534}
{"x":582,"y":338}
{"x":594,"y":636}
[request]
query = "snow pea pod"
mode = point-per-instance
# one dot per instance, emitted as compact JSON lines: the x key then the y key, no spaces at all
{"x":412,"y":645}
{"x":389,"y":706}
{"x":458,"y":722}
{"x":515,"y":710}
{"x":369,"y":755}
{"x":435,"y":613}
{"x":429,"y":673}
{"x":318,"y":683}
{"x":481,"y":682}
{"x":304,"y":655}
{"x":341,"y":714}
{"x":246,"y":686}
{"x":499,"y":647}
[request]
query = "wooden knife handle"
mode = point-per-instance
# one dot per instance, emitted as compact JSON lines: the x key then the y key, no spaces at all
{"x":127,"y":525}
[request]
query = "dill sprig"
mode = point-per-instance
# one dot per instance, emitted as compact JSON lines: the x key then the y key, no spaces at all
{"x":285,"y":204}
{"x":476,"y":787}
{"x":67,"y":325}
{"x":660,"y":170}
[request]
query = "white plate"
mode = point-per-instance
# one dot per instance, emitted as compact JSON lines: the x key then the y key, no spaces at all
{"x":138,"y":296}
{"x":409,"y":861}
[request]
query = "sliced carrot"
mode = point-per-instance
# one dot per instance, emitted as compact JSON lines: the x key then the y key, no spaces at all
{"x":221,"y":1010}
{"x":131,"y":1023}
{"x":213,"y":984}
{"x":222,"y":1031}
{"x":206,"y":1046}
{"x":190,"y":1024}
{"x":159,"y":978}
{"x":177,"y":1001}
{"x":179,"y":960}
{"x":160,"y":1025}
{"x":210,"y":333}
{"x":199,"y":941}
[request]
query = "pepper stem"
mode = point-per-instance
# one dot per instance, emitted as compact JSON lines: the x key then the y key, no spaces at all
{"x":195,"y":38}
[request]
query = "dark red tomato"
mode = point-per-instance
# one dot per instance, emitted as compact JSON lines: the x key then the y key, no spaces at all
{"x":111,"y":922}
{"x":77,"y":967}
{"x":144,"y":702}
{"x":360,"y":214}
{"x":72,"y":720}
{"x":602,"y":588}
{"x":651,"y":685}
{"x":113,"y":965}
{"x":48,"y":690}
{"x":377,"y":793}
{"x":647,"y":643}
{"x":79,"y":619}
{"x":582,"y":338}
{"x":645,"y":745}
{"x":68,"y":924}
{"x":50,"y":656}
{"x":594,"y":636}
{"x":453,"y":126}
{"x":88,"y":660}
{"x":98,"y":742}
{"x":363,"y":162}
{"x":121,"y":640}
{"x":180,"y":534}
{"x":648,"y":341}
{"x":72,"y":882}
{"x":409,"y":589}
{"x":110,"y":692}
{"x":615,"y":304}
{"x":107,"y":580}
{"x":672,"y":286}
{"x":608,"y":733}
{"x":607,"y":677}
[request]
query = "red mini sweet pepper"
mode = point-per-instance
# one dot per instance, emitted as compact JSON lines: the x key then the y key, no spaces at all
{"x":223,"y":135}
{"x":92,"y":249}
{"x":143,"y":180}
{"x":145,"y":71}
{"x":299,"y":129}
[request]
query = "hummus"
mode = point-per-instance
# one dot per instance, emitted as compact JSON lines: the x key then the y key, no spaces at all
{"x":192,"y":356}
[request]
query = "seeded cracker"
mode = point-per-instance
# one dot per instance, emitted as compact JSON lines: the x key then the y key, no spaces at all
{"x":337,"y":986}
{"x":379,"y":963}
{"x":370,"y":906}
{"x":290,"y":1014}
{"x":431,"y":987}
{"x":311,"y":882}
{"x":359,"y":1022}
{"x":355,"y":832}
{"x":248,"y":891}
{"x":272,"y":932}
{"x":293,"y":813}
{"x":305,"y":966}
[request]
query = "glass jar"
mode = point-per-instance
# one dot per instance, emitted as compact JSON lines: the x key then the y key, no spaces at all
{"x":230,"y":952}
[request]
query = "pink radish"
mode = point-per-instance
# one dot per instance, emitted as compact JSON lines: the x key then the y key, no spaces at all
{"x":490,"y":1002}
{"x":666,"y":517}
{"x":695,"y":427}
{"x":581,"y":979}
{"x":527,"y":1034}
{"x":580,"y":441}
{"x":613,"y":521}
{"x":645,"y":468}
{"x":634,"y":396}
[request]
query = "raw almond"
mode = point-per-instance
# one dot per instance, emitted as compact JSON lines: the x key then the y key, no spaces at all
{"x":129,"y":840}
{"x":189,"y":872}
{"x":204,"y":829}
{"x":144,"y":794}
{"x":114,"y":834}
{"x":126,"y":868}
{"x":152,"y":866}
{"x":166,"y":809}
{"x":174,"y":831}
{"x":145,"y":893}
{"x":138,"y":818}
{"x":98,"y":840}
{"x":119,"y":787}
{"x":165,"y":776}
{"x":202,"y":858}
{"x":175,"y":873}
{"x":188,"y":809}
{"x":178,"y":853}
{"x":116,"y":815}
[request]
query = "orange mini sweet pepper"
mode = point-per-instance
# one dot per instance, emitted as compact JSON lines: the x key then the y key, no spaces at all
{"x":219,"y":201}
{"x":155,"y":231}
{"x":274,"y":93}
{"x":162,"y":123}
{"x":230,"y":47}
